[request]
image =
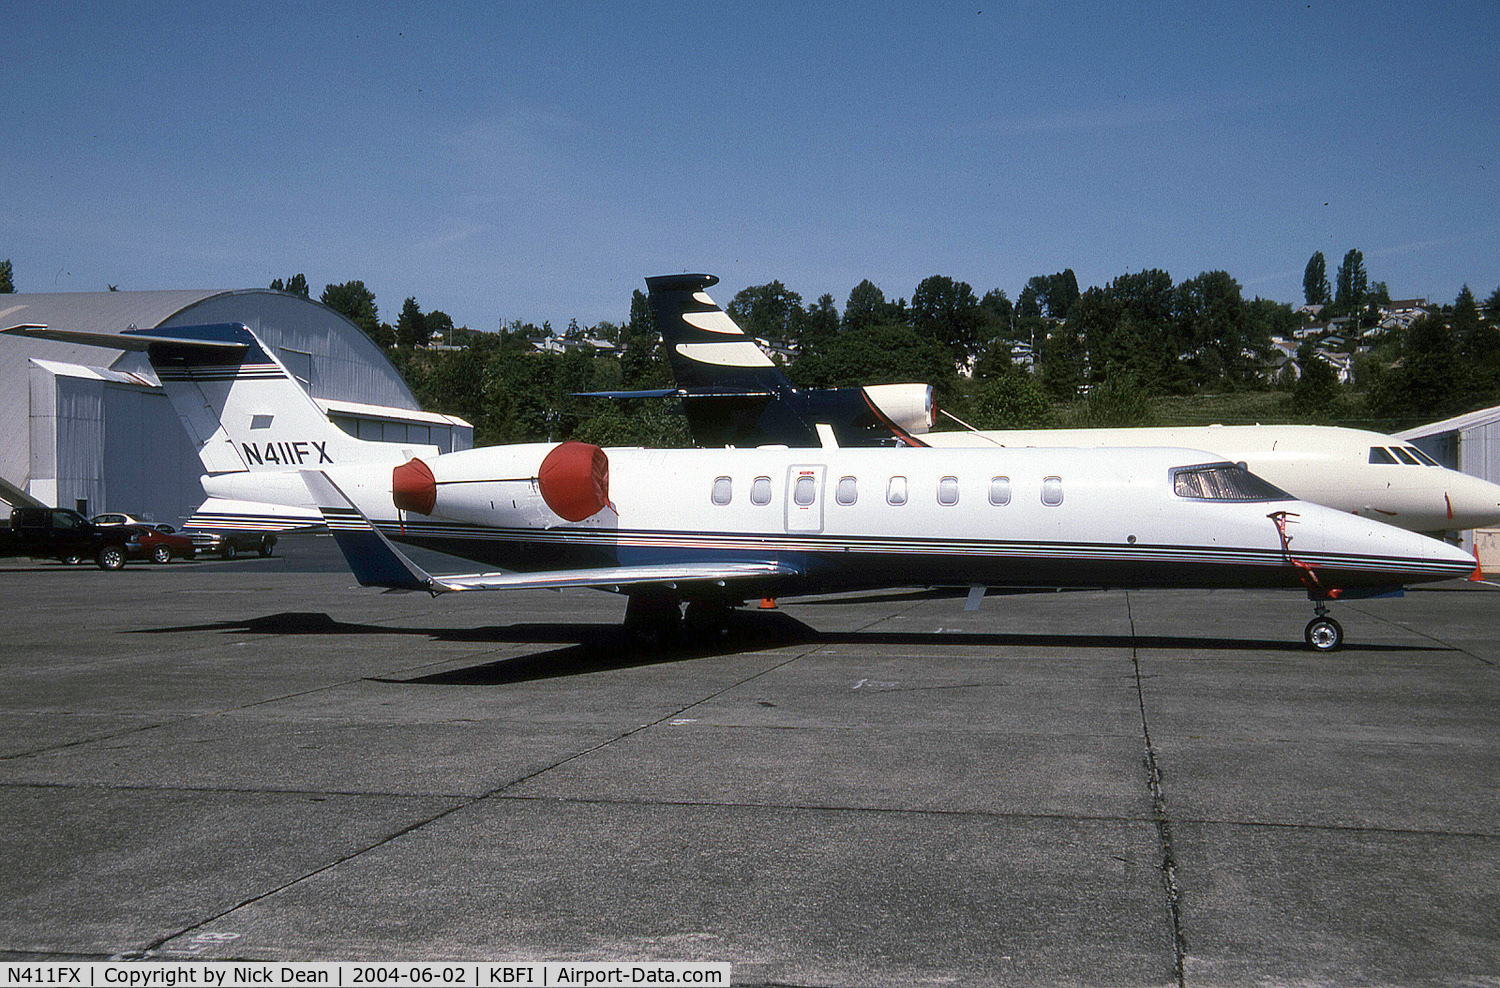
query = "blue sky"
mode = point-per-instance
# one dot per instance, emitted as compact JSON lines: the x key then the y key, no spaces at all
{"x":508,"y":161}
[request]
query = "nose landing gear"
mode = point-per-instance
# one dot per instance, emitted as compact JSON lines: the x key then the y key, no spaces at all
{"x":1323,"y":632}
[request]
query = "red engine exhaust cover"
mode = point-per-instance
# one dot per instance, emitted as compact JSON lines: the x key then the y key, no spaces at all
{"x":574,"y":479}
{"x":413,"y":487}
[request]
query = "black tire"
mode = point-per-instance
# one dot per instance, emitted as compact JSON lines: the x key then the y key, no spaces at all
{"x":652,"y":620}
{"x":111,"y":557}
{"x":265,"y":547}
{"x":161,"y":554}
{"x":229,"y":551}
{"x":1324,"y":634}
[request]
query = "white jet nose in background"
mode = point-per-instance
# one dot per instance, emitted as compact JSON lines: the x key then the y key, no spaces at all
{"x":1394,"y":554}
{"x":1473,"y":501}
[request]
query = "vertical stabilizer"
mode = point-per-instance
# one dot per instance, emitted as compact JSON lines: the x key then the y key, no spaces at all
{"x":704,"y":346}
{"x":243,"y":408}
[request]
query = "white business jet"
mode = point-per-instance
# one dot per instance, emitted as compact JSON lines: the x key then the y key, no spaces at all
{"x":713,"y":527}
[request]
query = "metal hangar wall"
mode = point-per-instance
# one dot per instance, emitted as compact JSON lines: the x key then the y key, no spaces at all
{"x":89,"y":428}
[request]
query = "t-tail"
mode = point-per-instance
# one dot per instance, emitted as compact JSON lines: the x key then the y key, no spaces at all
{"x":734,"y":394}
{"x":239,"y":404}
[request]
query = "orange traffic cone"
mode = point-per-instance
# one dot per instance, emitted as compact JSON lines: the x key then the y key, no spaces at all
{"x":768,"y":603}
{"x":1478,"y":575}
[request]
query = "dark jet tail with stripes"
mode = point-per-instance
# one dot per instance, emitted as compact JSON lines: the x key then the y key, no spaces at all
{"x":734,"y":394}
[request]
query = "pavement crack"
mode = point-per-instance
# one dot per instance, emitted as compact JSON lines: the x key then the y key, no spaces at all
{"x":1422,"y":634}
{"x":1161,"y":818}
{"x":155,"y":945}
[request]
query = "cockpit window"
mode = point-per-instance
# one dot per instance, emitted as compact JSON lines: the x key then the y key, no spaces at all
{"x":1224,"y":482}
{"x":1406,"y":457}
{"x":1379,"y":454}
{"x":1414,"y":451}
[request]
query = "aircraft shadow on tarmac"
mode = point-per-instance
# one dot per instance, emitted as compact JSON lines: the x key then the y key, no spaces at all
{"x":595,"y":647}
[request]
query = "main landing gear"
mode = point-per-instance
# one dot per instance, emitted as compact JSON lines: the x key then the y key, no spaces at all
{"x":1323,"y":632}
{"x":657,"y":620}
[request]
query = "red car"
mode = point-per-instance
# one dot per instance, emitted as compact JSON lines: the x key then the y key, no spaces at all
{"x":151,"y":543}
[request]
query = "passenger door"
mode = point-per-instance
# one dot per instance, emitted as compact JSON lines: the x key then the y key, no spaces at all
{"x":804,"y":498}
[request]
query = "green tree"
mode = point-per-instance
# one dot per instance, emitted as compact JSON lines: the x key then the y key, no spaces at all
{"x":7,"y":278}
{"x":411,"y":325}
{"x":947,"y":313}
{"x":768,"y":312}
{"x":1119,"y":402}
{"x":1062,"y":359}
{"x":1010,"y":401}
{"x":295,"y":285}
{"x":1315,"y":290}
{"x":1479,"y":345}
{"x":356,"y":303}
{"x":1029,"y":302}
{"x":1353,"y":283}
{"x":643,"y":365}
{"x":1214,"y":335}
{"x":886,"y":353}
{"x":866,"y":307}
{"x":1465,"y":315}
{"x":1430,"y":381}
{"x":1316,"y":394}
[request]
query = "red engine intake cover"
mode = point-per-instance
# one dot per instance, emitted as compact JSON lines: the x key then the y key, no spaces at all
{"x":413,"y":487}
{"x":574,"y":479}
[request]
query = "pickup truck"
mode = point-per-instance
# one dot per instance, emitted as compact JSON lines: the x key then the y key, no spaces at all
{"x":58,"y":533}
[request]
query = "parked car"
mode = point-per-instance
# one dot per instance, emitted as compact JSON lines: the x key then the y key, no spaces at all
{"x":58,"y":533}
{"x":149,"y":542}
{"x":231,"y":544}
{"x":117,"y":518}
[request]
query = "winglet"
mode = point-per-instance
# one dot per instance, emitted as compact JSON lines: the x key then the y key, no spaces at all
{"x":374,"y":559}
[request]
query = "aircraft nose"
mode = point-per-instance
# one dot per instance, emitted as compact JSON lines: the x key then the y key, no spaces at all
{"x":1473,"y":502}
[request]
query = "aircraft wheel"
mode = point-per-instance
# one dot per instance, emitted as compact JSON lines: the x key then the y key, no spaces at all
{"x":706,"y":619}
{"x":1324,"y":634}
{"x":161,"y":554}
{"x":111,"y":557}
{"x":652,"y":620}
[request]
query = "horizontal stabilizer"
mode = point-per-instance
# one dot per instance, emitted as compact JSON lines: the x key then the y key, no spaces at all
{"x":222,"y":351}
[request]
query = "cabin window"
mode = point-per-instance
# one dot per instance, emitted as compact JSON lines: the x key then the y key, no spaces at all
{"x":948,"y":490}
{"x":805,"y":491}
{"x":847,"y":492}
{"x":1224,"y":482}
{"x":723,"y":490}
{"x":1414,"y":451}
{"x":895,"y":491}
{"x":1406,"y":457}
{"x":1379,"y":454}
{"x":760,"y":490}
{"x":999,"y":490}
{"x":1052,"y":492}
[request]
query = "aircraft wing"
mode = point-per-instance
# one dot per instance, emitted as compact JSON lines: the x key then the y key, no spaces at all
{"x":684,"y":393}
{"x":226,"y":349}
{"x":377,"y":562}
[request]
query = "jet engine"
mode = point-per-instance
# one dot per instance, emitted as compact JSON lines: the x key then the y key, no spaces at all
{"x":532,"y":484}
{"x":909,"y":406}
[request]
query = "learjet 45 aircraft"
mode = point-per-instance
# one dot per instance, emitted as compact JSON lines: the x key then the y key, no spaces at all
{"x":714,"y":528}
{"x":734,"y":395}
